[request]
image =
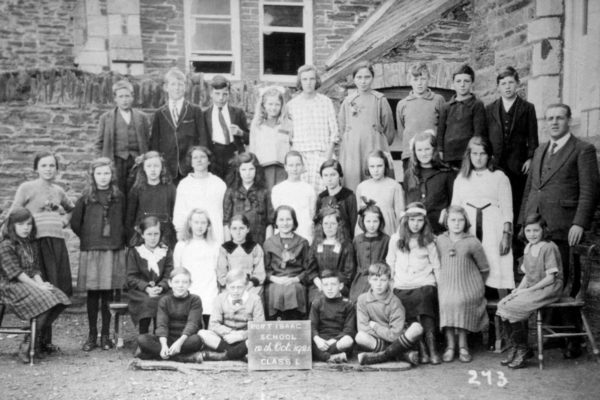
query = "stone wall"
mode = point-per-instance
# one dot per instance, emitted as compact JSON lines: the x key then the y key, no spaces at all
{"x":500,"y":40}
{"x":36,"y":33}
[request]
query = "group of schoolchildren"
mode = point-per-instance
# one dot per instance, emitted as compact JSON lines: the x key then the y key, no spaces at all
{"x":201,"y":259}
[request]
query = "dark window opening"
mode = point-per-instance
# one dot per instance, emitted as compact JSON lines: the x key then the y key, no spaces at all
{"x":216,"y":67}
{"x":283,"y":52}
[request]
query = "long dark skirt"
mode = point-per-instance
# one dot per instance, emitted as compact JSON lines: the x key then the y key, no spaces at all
{"x":419,"y":301}
{"x":55,"y":265}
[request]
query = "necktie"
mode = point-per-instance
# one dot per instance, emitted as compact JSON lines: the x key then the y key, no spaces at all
{"x":175,"y":114}
{"x":552,"y":149}
{"x":224,"y":126}
{"x":479,"y":220}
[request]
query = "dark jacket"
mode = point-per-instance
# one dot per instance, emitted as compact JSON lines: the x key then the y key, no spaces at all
{"x":237,"y":117}
{"x":568,"y":195}
{"x":512,"y":152}
{"x":105,"y":142}
{"x":99,"y":223}
{"x":434,"y":189}
{"x":459,"y":122}
{"x":173,"y":140}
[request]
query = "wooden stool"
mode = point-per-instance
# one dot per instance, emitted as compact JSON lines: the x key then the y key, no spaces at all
{"x":22,"y":330}
{"x":116,"y":311}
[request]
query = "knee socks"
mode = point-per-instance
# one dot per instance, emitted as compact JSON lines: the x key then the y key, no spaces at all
{"x":97,"y":299}
{"x":428,"y":323}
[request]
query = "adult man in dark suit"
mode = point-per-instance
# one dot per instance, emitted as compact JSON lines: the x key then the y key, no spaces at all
{"x":226,"y":125}
{"x":563,"y":187}
{"x":177,"y":126}
{"x":123,"y":134}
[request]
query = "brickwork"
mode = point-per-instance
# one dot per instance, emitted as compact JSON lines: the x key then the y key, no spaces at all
{"x":163,"y":37}
{"x":36,"y":33}
{"x":499,"y":40}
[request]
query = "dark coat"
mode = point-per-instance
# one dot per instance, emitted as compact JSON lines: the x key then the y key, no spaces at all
{"x":94,"y":230}
{"x":569,"y":194}
{"x":459,"y":122}
{"x":105,"y":142}
{"x":512,"y":152}
{"x":173,"y":140}
{"x":434,"y":191}
{"x":237,"y":117}
{"x":138,"y":279}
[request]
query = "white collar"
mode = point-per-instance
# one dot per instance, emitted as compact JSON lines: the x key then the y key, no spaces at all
{"x":507,"y":104}
{"x":560,"y":142}
{"x":176,"y":103}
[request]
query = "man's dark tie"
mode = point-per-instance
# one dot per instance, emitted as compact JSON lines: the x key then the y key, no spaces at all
{"x":479,"y":220}
{"x":224,"y":126}
{"x":552,"y":149}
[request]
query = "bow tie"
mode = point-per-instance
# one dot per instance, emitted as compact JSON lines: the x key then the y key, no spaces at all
{"x":237,"y":302}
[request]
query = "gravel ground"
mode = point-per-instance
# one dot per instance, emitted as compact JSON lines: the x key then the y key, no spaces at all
{"x":73,"y":374}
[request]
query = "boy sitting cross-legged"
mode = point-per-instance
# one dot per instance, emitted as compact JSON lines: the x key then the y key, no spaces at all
{"x":228,"y":327}
{"x":380,"y":321}
{"x":332,"y":320}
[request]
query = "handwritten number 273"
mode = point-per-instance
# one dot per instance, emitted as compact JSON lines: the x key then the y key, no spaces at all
{"x":488,"y":377}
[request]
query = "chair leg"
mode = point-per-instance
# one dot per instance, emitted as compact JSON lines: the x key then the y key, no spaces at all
{"x":540,"y":340}
{"x":590,"y":336}
{"x":32,"y":344}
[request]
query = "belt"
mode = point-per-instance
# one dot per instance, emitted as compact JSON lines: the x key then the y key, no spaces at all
{"x":224,"y":146}
{"x":479,"y":219}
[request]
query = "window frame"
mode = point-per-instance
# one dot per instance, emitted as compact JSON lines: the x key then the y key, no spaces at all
{"x":234,"y":56}
{"x":307,"y":29}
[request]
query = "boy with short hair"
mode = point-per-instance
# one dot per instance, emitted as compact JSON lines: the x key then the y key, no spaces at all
{"x":227,"y":332}
{"x":380,"y":321}
{"x":123,"y":134}
{"x":226,"y":125}
{"x":419,"y":111}
{"x":177,"y":126}
{"x":332,"y":320}
{"x":462,"y":118}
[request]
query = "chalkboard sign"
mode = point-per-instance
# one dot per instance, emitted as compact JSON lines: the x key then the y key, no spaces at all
{"x":274,"y":345}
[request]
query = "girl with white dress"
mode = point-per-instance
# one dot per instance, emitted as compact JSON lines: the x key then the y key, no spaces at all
{"x":486,"y":195}
{"x":198,"y":252}
{"x":297,"y":194}
{"x":200,"y":189}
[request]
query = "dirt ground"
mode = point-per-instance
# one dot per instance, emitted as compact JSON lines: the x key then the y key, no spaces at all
{"x":73,"y":374}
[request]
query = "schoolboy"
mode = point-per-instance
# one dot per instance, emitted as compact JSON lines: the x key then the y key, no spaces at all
{"x":226,"y":126}
{"x":177,"y":126}
{"x":123,"y":134}
{"x":380,"y":322}
{"x":332,"y":320}
{"x":228,"y":327}
{"x":462,"y":118}
{"x":419,"y":111}
{"x":178,"y":318}
{"x":513,"y":132}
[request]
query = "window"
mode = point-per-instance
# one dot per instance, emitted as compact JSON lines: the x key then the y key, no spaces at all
{"x":285,"y":38}
{"x":213,"y":36}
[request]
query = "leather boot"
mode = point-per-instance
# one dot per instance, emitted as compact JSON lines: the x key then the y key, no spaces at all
{"x":512,"y":347}
{"x":194,"y":358}
{"x":520,"y":339}
{"x":397,"y":347}
{"x":433,"y":354}
{"x":423,"y":356}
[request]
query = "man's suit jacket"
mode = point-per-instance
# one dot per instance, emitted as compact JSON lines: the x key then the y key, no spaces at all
{"x":105,"y":142}
{"x":512,"y":152}
{"x":568,"y":193}
{"x":237,"y":117}
{"x":173,"y":139}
